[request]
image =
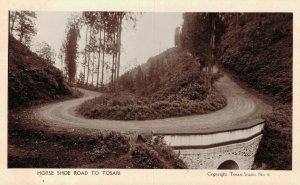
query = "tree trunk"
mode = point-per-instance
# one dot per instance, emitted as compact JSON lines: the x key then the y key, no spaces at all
{"x":89,"y":58}
{"x":115,"y":53}
{"x":61,"y":64}
{"x":9,"y":18}
{"x":102,"y":73}
{"x":93,"y":66}
{"x":99,"y":58}
{"x":212,"y":57}
{"x":119,"y":45}
{"x":113,"y":63}
{"x":85,"y":54}
{"x":11,"y":28}
{"x":21,"y":34}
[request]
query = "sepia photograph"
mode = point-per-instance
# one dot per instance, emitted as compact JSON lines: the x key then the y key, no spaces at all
{"x":150,"y":90}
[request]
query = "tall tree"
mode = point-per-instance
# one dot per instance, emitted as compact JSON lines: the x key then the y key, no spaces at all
{"x":177,"y":36}
{"x":85,"y":54}
{"x":89,"y":19}
{"x":71,"y":51}
{"x":200,"y":34}
{"x":45,"y":51}
{"x":25,"y":27}
{"x":100,"y":27}
{"x":139,"y":79}
{"x":93,"y":49}
{"x":110,"y":25}
{"x":13,"y":15}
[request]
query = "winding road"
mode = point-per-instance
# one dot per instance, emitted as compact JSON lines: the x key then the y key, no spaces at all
{"x":241,"y":108}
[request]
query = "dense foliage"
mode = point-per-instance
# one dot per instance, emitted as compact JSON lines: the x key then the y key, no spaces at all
{"x":129,"y":107}
{"x":201,"y":35}
{"x":22,"y":24}
{"x":31,"y":79}
{"x":71,"y":51}
{"x":275,"y":150}
{"x":258,"y":49}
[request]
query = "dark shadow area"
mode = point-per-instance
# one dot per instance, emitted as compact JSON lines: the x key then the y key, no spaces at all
{"x":230,"y":164}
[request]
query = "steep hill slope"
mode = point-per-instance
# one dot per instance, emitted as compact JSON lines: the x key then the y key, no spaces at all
{"x":258,"y":49}
{"x":30,"y":78}
{"x":171,"y":73}
{"x":168,"y":85}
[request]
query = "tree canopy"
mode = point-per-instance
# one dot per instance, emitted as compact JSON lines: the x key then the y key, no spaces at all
{"x":46,"y":52}
{"x":71,"y":51}
{"x":22,"y":24}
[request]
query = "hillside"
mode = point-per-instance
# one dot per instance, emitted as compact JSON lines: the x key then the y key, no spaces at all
{"x":168,"y":85}
{"x":258,"y":49}
{"x":168,"y":74}
{"x":31,"y":79}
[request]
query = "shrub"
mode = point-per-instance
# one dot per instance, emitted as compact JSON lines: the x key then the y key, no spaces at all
{"x":145,"y":157}
{"x":139,"y":108}
{"x":103,"y":145}
{"x":275,"y":149}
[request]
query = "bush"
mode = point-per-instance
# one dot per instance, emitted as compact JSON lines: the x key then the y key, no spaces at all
{"x":131,"y":107}
{"x":275,"y":149}
{"x":31,"y":79}
{"x":264,"y":60}
{"x":145,"y":157}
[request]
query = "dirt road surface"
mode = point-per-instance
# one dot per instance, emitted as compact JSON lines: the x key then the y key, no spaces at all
{"x":241,"y":108}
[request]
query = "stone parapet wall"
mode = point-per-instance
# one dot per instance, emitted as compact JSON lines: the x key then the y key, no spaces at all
{"x":213,"y":138}
{"x":242,"y":153}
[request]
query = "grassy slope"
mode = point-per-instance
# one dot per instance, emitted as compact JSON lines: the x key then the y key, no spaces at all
{"x":31,"y":80}
{"x":258,"y":50}
{"x":180,"y":92}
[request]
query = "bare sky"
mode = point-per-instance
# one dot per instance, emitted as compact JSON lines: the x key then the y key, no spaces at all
{"x":154,"y":33}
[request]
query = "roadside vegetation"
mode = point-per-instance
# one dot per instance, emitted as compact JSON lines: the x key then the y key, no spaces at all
{"x":32,"y":80}
{"x":264,"y":60}
{"x":168,"y":85}
{"x":275,"y":150}
{"x":33,"y":144}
